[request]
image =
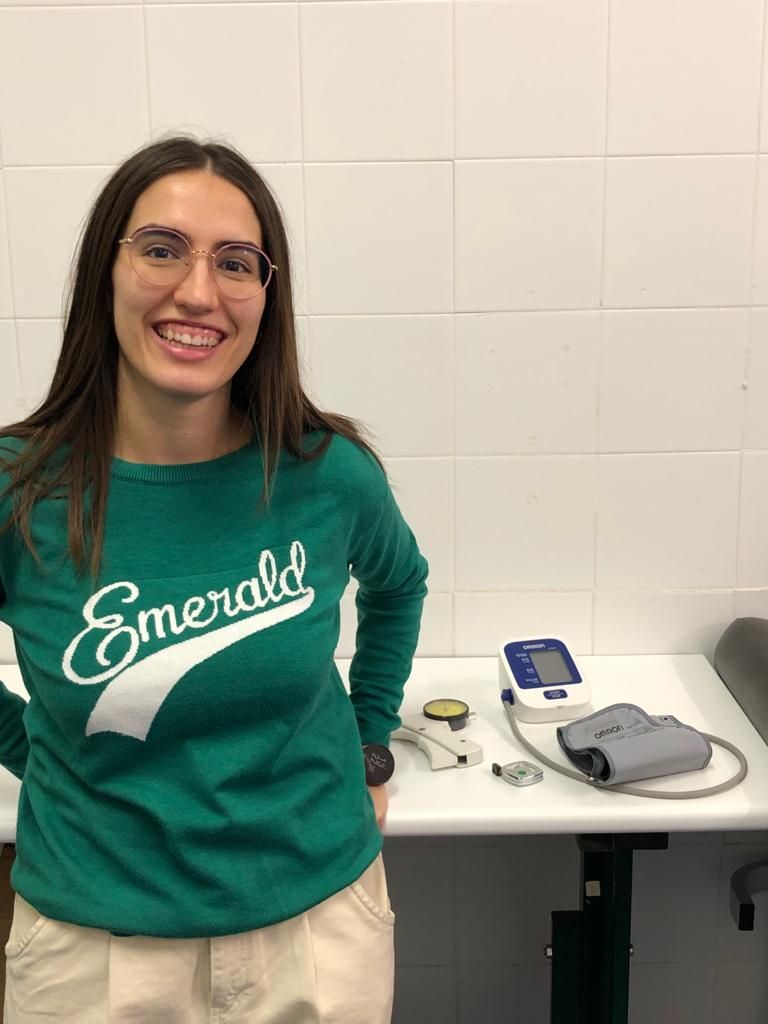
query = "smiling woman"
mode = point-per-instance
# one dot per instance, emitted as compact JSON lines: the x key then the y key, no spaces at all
{"x":198,"y":834}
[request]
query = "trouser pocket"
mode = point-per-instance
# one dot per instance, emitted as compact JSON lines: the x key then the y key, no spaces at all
{"x":354,"y":951}
{"x":54,"y":971}
{"x":26,"y":924}
{"x":371,"y":890}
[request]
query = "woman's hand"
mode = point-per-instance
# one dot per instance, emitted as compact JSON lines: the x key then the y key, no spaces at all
{"x":380,"y":799}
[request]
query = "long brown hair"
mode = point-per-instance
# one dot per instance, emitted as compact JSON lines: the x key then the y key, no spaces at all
{"x":69,"y":439}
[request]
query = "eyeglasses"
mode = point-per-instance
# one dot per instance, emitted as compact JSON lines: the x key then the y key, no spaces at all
{"x":163,"y":258}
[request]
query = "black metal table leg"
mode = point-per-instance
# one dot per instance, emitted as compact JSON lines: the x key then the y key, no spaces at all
{"x":566,"y":967}
{"x":591,"y":946}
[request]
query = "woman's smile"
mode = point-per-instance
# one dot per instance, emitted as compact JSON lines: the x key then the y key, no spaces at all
{"x":186,"y":341}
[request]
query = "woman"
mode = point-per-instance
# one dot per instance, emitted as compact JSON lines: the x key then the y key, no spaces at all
{"x":196,"y":840}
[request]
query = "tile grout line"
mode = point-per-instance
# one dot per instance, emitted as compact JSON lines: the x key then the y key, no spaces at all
{"x":454,"y":543}
{"x":750,"y":307}
{"x":11,"y":284}
{"x":146,"y":67}
{"x":303,"y":164}
{"x":601,"y":334}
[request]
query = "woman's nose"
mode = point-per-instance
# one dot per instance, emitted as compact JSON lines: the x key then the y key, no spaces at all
{"x":197,"y":289}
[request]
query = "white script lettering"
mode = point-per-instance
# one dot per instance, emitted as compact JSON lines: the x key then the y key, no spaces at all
{"x":113,"y":629}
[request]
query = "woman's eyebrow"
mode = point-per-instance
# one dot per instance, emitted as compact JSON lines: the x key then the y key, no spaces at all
{"x":178,"y":231}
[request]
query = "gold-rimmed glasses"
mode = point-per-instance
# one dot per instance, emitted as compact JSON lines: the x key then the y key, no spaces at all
{"x":163,"y":257}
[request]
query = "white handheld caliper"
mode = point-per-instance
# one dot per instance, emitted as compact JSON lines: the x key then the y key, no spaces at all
{"x":436,"y":733}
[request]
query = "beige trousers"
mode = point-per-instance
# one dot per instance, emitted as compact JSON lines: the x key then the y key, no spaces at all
{"x":333,"y":964}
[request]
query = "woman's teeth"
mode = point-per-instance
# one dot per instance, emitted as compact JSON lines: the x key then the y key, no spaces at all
{"x":187,"y":340}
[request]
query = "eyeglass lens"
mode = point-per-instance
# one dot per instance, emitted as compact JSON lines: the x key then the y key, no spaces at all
{"x":163,"y":258}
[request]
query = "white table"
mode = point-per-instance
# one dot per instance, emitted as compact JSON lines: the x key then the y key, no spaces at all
{"x":471,"y":800}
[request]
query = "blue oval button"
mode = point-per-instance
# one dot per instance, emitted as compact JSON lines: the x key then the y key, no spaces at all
{"x":555,"y":694}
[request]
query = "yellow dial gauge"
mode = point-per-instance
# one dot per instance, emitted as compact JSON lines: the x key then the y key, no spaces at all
{"x":447,"y":709}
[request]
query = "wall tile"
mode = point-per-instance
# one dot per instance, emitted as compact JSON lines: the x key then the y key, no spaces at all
{"x":528,"y":234}
{"x":753,"y":553}
{"x":757,"y":837}
{"x":392,"y":373}
{"x":508,"y":100}
{"x":511,"y":843}
{"x":80,"y":3}
{"x":667,"y":521}
{"x":6,"y":299}
{"x":685,"y":878}
{"x":379,"y":238}
{"x":274,"y":1}
{"x":678,"y":231}
{"x":684,"y":76}
{"x":695,"y":839}
{"x":526,"y":383}
{"x":39,"y":346}
{"x":423,"y":489}
{"x":422,"y":876}
{"x":253,"y":100}
{"x":672,"y":380}
{"x":493,"y":994}
{"x":399,"y":58}
{"x":495,"y":897}
{"x":483,"y":621}
{"x":750,"y":603}
{"x":760,"y":268}
{"x":672,"y":993}
{"x":661,"y":622}
{"x":11,"y":399}
{"x":756,"y":412}
{"x":46,"y":211}
{"x":525,"y":523}
{"x":207,"y":2}
{"x":64,"y":76}
{"x":424,"y":994}
{"x":741,"y":994}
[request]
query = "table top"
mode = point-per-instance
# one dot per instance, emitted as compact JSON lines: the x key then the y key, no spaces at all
{"x":473,"y":801}
{"x":466,"y":801}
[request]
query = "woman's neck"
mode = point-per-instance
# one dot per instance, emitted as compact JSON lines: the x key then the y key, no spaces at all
{"x":173,"y":430}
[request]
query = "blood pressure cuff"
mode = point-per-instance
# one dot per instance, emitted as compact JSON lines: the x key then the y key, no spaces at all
{"x":622,"y":743}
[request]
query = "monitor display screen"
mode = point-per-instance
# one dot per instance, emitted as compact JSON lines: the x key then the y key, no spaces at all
{"x":551,"y":667}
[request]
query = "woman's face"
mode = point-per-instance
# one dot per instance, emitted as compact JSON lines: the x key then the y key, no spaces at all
{"x":220,"y":332}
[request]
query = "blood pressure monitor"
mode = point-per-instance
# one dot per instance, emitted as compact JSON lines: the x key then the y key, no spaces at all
{"x":546,"y":685}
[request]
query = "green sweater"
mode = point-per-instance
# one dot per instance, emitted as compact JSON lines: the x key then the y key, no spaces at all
{"x":191,"y":760}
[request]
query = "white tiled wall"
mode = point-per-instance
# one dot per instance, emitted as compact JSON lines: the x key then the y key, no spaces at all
{"x":530,"y":242}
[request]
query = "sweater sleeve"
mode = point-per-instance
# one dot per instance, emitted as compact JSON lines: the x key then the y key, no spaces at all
{"x":14,"y":745}
{"x":391,"y":574}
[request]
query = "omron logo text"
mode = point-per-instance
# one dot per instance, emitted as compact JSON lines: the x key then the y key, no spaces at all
{"x":533,"y":647}
{"x":607,"y":732}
